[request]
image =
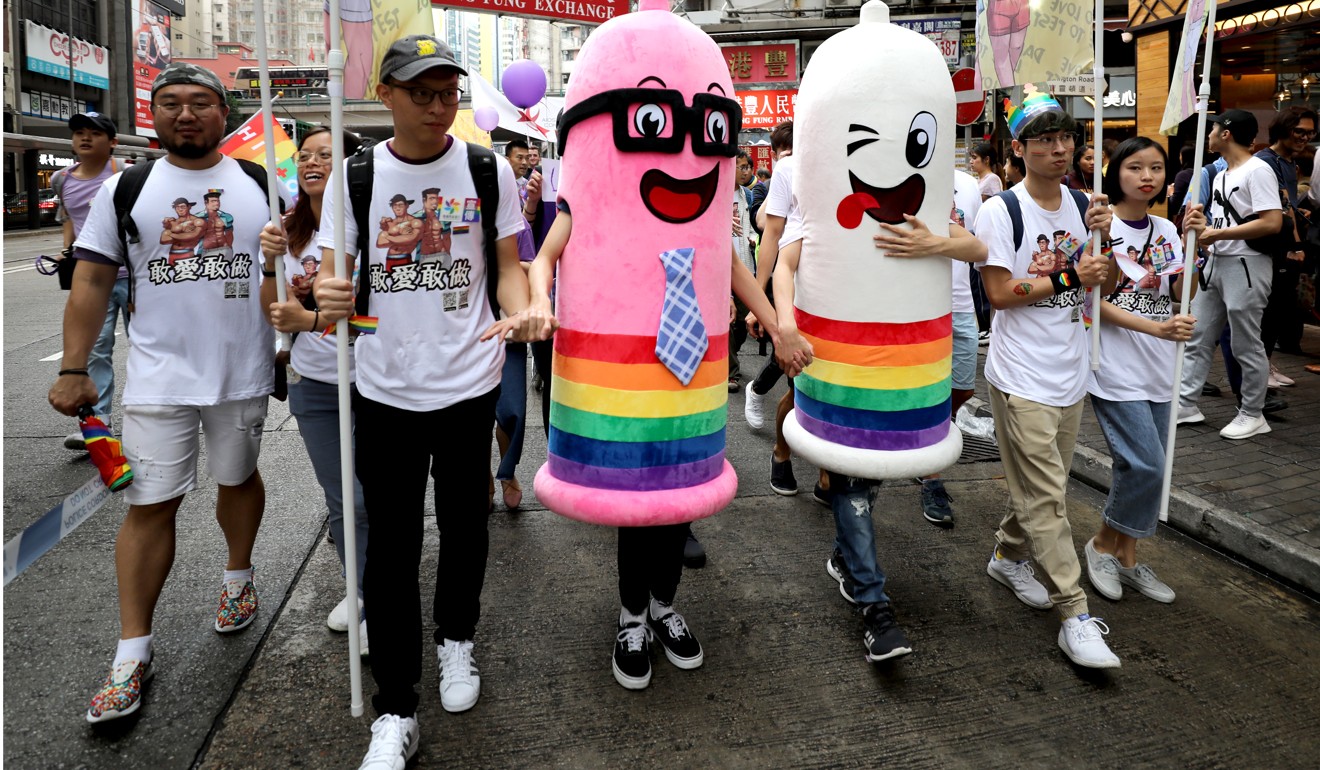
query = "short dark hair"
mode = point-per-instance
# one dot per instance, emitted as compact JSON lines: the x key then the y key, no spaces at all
{"x":515,"y":144}
{"x":1047,"y":123}
{"x":742,"y":155}
{"x":431,"y":191}
{"x":781,"y":138}
{"x":1286,"y":120}
{"x":1186,"y":156}
{"x":762,"y":173}
{"x":1122,"y":152}
{"x":1018,"y":163}
{"x":987,"y":151}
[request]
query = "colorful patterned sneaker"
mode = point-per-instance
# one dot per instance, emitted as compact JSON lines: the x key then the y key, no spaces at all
{"x":238,"y":606}
{"x":121,"y":694}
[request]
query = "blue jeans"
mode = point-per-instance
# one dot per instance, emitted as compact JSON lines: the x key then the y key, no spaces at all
{"x":316,"y":405}
{"x":1137,"y":432}
{"x":511,"y":409}
{"x":99,"y":364}
{"x":854,"y":536}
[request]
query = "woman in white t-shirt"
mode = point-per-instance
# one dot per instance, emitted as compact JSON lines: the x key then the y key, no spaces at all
{"x":982,"y":160}
{"x":1132,"y":391}
{"x":313,"y":366}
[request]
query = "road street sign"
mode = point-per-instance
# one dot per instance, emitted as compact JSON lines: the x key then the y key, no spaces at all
{"x":971,"y":100}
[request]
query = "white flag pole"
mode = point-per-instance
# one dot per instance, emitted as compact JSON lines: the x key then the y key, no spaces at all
{"x":335,"y":64}
{"x":1098,"y":178}
{"x":1189,"y":256}
{"x":285,"y":341}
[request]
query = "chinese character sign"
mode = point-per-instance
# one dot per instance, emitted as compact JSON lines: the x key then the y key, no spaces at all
{"x":764,"y":63}
{"x":945,"y":33}
{"x":767,"y":108}
{"x":1030,"y":41}
{"x":760,"y":156}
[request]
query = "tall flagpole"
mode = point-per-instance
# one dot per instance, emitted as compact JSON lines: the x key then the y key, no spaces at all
{"x":1098,"y":179}
{"x":1189,"y":256}
{"x":284,"y":342}
{"x":335,"y":64}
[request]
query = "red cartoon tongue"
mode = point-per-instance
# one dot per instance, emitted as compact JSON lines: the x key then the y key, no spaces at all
{"x":853,"y":208}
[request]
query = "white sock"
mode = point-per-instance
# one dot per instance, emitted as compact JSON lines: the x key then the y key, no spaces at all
{"x":240,"y":575}
{"x":658,"y":608}
{"x":626,"y":617}
{"x":137,"y":648}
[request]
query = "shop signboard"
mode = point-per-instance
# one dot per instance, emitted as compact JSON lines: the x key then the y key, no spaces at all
{"x":944,"y":31}
{"x":151,"y":53}
{"x":1120,"y":101}
{"x":766,"y":107}
{"x":584,"y":11}
{"x":762,"y":63}
{"x":48,"y":54}
{"x":760,"y":156}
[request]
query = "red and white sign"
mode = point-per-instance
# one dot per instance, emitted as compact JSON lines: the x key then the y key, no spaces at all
{"x":767,"y":108}
{"x":585,"y":11}
{"x":971,"y":100}
{"x":151,"y":54}
{"x":762,"y":63}
{"x":761,"y":156}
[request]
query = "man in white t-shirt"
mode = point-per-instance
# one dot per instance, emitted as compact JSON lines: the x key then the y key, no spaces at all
{"x":201,"y":358}
{"x":428,"y":381}
{"x":1037,"y":370}
{"x":1244,"y":204}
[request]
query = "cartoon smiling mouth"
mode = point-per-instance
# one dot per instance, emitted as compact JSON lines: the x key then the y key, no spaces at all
{"x":883,"y":204}
{"x":678,"y":200}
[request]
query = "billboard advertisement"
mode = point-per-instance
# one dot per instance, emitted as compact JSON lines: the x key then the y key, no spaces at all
{"x":151,"y":52}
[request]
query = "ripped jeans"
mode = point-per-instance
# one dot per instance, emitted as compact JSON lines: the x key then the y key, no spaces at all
{"x":854,"y":535}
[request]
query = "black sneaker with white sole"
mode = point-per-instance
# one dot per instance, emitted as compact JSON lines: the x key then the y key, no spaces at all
{"x":936,"y":503}
{"x":782,"y":480}
{"x":632,"y":655}
{"x":839,"y":571}
{"x":681,"y":647}
{"x":883,"y":638}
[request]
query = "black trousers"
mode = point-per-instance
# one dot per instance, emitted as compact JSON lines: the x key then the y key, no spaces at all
{"x":542,"y":356}
{"x":766,"y":379}
{"x":650,"y":564}
{"x":737,"y":336}
{"x":1281,"y":323}
{"x":396,"y":449}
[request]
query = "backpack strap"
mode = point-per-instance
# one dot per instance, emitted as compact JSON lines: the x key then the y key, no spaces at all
{"x":1014,"y":207}
{"x":481,"y":164}
{"x":361,"y":173}
{"x":131,"y":182}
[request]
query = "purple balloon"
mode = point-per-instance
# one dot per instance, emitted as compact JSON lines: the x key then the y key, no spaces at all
{"x":524,"y":83}
{"x":486,"y":118}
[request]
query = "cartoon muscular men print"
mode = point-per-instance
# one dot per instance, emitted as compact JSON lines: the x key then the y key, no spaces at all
{"x":399,"y":234}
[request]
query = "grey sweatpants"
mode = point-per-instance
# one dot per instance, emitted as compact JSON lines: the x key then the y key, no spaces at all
{"x":1237,"y":292}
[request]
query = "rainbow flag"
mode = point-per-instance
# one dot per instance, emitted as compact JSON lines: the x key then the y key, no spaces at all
{"x":249,"y":143}
{"x":620,"y":420}
{"x":881,"y":386}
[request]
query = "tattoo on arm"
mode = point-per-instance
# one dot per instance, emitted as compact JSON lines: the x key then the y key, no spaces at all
{"x":1022,"y":289}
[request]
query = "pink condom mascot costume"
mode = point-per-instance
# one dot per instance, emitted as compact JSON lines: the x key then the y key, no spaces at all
{"x":639,"y":404}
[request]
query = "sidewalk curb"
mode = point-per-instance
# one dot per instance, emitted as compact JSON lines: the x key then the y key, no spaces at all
{"x":1233,"y":532}
{"x":21,"y":234}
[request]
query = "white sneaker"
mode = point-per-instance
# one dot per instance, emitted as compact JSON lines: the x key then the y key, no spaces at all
{"x":1142,"y":578}
{"x":393,"y":743}
{"x":1189,"y":415}
{"x":1102,"y":569}
{"x":753,"y":408}
{"x":363,"y":647}
{"x":460,"y":684}
{"x":1245,"y":427}
{"x":74,"y":442}
{"x":1082,"y":640}
{"x":1021,"y":577}
{"x":1279,"y":379}
{"x":337,"y":620}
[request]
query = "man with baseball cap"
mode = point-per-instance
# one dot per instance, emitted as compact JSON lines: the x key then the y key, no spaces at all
{"x":428,"y":381}
{"x":93,"y":142}
{"x":1244,"y":204}
{"x":217,"y":376}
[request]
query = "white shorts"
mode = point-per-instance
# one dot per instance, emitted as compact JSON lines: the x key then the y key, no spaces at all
{"x":161,"y":445}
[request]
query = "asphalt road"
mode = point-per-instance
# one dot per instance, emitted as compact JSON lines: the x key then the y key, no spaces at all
{"x":1227,"y":676}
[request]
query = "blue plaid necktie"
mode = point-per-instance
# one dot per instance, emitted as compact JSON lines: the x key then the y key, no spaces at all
{"x":681,"y":342}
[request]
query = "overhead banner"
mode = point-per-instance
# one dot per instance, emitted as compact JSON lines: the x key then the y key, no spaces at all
{"x":151,"y":53}
{"x":767,"y":108}
{"x":48,"y":54}
{"x":1022,"y":42}
{"x":762,"y":63}
{"x":367,"y":30}
{"x":585,"y":11}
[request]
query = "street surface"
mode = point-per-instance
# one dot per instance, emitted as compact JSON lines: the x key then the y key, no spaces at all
{"x":1227,"y":676}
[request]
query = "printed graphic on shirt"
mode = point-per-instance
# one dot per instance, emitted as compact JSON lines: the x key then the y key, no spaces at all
{"x":957,"y":216}
{"x":1053,"y":254}
{"x":419,"y":247}
{"x":302,"y":284}
{"x":201,"y":248}
{"x":1138,"y":291}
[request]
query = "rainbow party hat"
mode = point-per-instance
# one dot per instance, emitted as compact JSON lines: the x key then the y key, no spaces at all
{"x":1034,"y":104}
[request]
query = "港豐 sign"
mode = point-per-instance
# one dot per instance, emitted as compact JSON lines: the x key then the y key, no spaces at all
{"x":48,"y":54}
{"x":585,"y":11}
{"x":762,"y":63}
{"x":944,"y":31}
{"x":766,"y":108}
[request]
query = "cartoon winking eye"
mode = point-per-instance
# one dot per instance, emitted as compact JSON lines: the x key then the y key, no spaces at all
{"x":890,"y":204}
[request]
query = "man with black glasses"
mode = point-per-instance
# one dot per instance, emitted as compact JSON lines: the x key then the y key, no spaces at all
{"x":428,"y":381}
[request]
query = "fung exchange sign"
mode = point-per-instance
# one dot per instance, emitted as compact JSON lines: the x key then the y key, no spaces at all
{"x":585,"y":11}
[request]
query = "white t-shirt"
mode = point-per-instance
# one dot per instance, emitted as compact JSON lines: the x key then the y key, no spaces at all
{"x":779,"y":199}
{"x":1136,"y":366}
{"x":741,"y":246}
{"x":314,"y":356}
{"x":428,"y":279}
{"x":1038,"y":351}
{"x":966,"y":205}
{"x":199,"y":335}
{"x":1251,"y":188}
{"x":990,"y":184}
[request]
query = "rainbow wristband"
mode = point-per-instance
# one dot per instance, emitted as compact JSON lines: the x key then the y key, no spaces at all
{"x":1065,"y":280}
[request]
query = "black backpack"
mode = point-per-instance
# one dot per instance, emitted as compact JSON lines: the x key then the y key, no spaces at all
{"x":1014,"y":207}
{"x":131,"y":182}
{"x":481,"y":164}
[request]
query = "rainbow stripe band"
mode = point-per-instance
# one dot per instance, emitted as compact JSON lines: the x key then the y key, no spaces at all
{"x":877,"y":386}
{"x":620,"y":420}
